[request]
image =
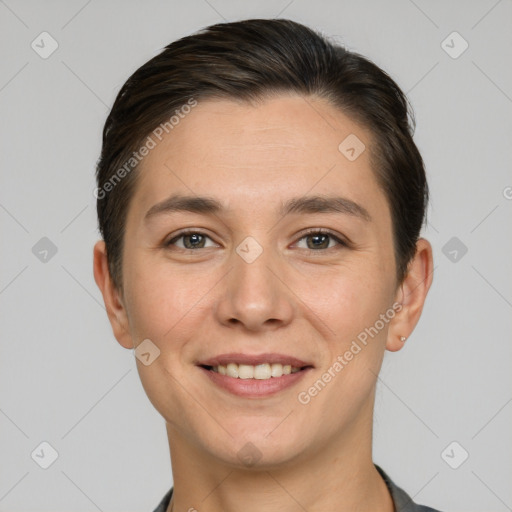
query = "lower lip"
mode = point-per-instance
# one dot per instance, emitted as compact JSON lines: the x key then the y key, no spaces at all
{"x":255,"y":388}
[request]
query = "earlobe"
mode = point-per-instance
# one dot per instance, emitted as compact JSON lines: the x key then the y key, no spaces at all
{"x":411,"y":295}
{"x":116,"y":310}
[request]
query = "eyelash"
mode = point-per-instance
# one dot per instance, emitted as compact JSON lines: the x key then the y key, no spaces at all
{"x":308,"y":232}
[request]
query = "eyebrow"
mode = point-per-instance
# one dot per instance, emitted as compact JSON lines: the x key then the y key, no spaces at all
{"x":299,"y":205}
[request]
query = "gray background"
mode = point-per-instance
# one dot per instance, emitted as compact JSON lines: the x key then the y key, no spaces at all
{"x":63,"y":377}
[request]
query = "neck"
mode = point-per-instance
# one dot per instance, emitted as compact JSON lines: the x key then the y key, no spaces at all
{"x":339,"y":476}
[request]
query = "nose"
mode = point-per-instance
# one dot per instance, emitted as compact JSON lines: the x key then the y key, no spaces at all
{"x":254,"y":293}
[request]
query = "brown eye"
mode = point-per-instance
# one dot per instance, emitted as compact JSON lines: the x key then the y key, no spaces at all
{"x":191,"y":240}
{"x":321,"y":239}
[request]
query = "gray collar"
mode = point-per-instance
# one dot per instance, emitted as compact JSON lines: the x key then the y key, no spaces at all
{"x":401,"y":500}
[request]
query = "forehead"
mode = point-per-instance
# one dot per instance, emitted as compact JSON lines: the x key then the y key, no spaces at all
{"x":248,"y":154}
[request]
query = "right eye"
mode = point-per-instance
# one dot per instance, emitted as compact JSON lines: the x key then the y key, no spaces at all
{"x":192,"y":240}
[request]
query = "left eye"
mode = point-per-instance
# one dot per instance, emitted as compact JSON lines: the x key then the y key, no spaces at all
{"x":320,"y":240}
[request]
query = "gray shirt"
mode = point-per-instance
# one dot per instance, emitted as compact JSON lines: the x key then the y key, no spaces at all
{"x":402,"y":501}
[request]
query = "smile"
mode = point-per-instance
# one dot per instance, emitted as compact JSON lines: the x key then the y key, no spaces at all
{"x":254,"y":376}
{"x":261,"y":371}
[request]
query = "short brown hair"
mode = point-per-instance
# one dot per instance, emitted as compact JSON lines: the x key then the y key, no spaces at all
{"x":249,"y":60}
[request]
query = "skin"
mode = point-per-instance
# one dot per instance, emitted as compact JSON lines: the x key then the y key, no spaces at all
{"x":307,"y":303}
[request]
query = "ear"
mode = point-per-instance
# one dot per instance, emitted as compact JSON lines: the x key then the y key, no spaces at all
{"x":116,"y":310}
{"x":411,"y":294}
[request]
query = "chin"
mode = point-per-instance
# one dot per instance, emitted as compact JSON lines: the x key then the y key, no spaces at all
{"x":256,"y":449}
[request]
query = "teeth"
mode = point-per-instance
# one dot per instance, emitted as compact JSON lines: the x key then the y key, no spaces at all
{"x":261,"y":371}
{"x":245,"y":371}
{"x":277,"y":370}
{"x":232,"y":370}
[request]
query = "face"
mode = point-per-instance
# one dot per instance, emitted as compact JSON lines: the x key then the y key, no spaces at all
{"x":261,"y":275}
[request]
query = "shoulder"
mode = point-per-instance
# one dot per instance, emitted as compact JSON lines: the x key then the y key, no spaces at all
{"x":164,"y":504}
{"x":403,"y":502}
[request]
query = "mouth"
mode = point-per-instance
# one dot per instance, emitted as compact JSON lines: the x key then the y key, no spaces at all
{"x":254,"y":376}
{"x":261,"y":371}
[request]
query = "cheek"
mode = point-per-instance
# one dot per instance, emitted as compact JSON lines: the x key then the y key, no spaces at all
{"x":347,"y":299}
{"x":163,"y":301}
{"x":165,"y":307}
{"x":355,"y":346}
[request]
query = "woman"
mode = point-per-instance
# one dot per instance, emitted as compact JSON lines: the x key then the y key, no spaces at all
{"x":260,"y":199}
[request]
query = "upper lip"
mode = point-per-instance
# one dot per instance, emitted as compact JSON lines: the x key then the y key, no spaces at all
{"x":253,"y":360}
